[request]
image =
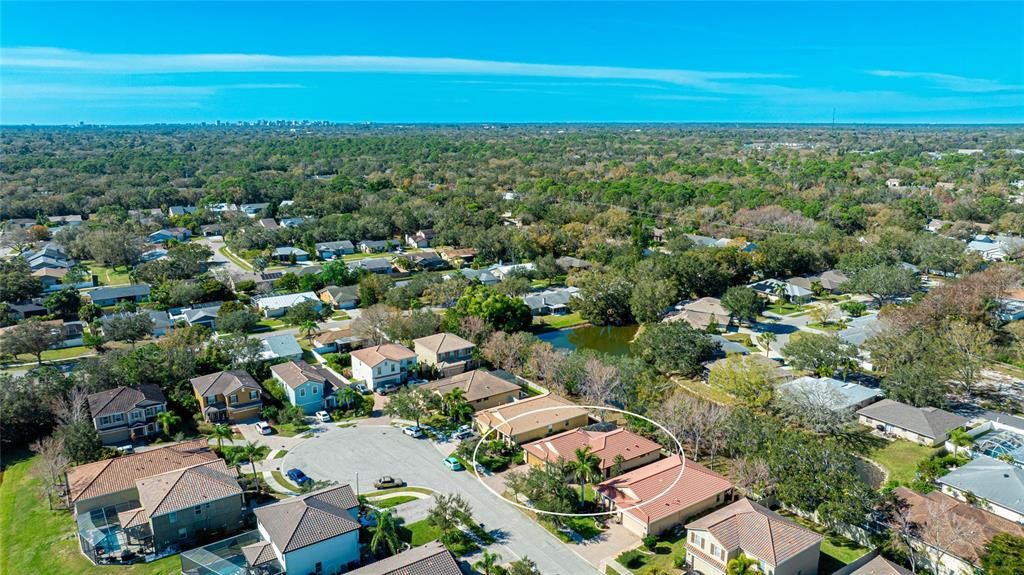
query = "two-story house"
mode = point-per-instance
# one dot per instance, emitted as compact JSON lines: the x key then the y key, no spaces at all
{"x":447,"y":352}
{"x":317,"y":532}
{"x":126,"y":414}
{"x":384,"y":365}
{"x":480,"y":388}
{"x":228,"y":396}
{"x":780,"y":546}
{"x":310,"y":387}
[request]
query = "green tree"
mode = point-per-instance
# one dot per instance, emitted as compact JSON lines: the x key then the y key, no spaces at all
{"x":449,"y":514}
{"x":456,"y":407}
{"x":220,"y":433}
{"x":385,"y":537}
{"x":302,"y":312}
{"x":585,"y":468}
{"x":650,"y":298}
{"x":130,"y":327}
{"x":17,"y":282}
{"x":767,"y":338}
{"x":604,"y":297}
{"x":499,"y":311}
{"x":524,"y":566}
{"x":742,"y":565}
{"x":32,"y":336}
{"x":409,"y":404}
{"x":239,"y":322}
{"x":309,"y":330}
{"x":748,"y":378}
{"x":81,"y":442}
{"x":488,"y":562}
{"x":743,"y":303}
{"x":884,"y":283}
{"x":64,"y":303}
{"x":250,"y":451}
{"x":823,"y":354}
{"x":1004,"y":555}
{"x":674,"y":347}
{"x":167,"y":420}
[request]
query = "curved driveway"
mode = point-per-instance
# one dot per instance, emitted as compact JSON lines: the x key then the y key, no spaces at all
{"x":371,"y":451}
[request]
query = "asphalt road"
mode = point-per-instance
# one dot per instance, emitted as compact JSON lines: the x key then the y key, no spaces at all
{"x":371,"y":451}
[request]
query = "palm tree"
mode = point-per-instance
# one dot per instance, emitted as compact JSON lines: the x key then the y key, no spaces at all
{"x":456,"y":406}
{"x":385,"y":534}
{"x":220,"y":433}
{"x":249,"y":451}
{"x":488,"y":561}
{"x":585,"y":468}
{"x":309,"y":330}
{"x":767,"y":338}
{"x":742,"y":565}
{"x":779,"y":290}
{"x":168,"y":419}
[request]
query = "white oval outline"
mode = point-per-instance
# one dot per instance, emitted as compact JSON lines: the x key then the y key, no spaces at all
{"x":590,"y":407}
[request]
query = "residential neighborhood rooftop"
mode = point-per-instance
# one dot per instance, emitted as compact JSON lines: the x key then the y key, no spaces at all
{"x":429,"y":559}
{"x":758,"y":531}
{"x":530,"y":413}
{"x":372,"y":356}
{"x":186,"y":487}
{"x":664,"y":487}
{"x":608,"y":445}
{"x":308,"y":519}
{"x":122,"y":399}
{"x":476,"y":385}
{"x":997,"y":481}
{"x":930,"y":422}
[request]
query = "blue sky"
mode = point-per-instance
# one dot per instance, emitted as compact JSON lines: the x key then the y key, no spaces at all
{"x":125,"y":62}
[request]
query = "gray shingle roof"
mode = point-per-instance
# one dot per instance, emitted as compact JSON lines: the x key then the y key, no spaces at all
{"x":990,"y":479}
{"x":123,"y":399}
{"x":119,"y":292}
{"x":839,"y":394}
{"x":309,"y":519}
{"x":429,"y":559}
{"x":930,"y":422}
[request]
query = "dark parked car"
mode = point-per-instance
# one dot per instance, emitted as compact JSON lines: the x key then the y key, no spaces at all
{"x":298,"y":477}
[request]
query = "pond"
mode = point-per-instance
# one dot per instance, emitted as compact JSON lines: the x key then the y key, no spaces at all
{"x":608,"y":339}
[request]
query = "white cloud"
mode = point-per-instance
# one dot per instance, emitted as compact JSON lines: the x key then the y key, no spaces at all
{"x":58,"y":59}
{"x":67,"y":91}
{"x":951,"y":82}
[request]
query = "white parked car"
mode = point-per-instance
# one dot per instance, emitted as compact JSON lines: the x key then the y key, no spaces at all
{"x":323,"y":416}
{"x":264,"y":428}
{"x":413,"y":431}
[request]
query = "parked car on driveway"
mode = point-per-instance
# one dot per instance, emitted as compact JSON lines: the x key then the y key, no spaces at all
{"x":413,"y":431}
{"x":298,"y":477}
{"x":453,"y":463}
{"x":387,"y":482}
{"x":323,"y":416}
{"x":464,"y":434}
{"x":264,"y":428}
{"x":362,"y":389}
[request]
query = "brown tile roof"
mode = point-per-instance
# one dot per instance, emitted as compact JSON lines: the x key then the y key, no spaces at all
{"x":443,"y":342}
{"x":133,"y":517}
{"x":296,"y":373}
{"x":223,"y":382}
{"x":372,"y":356}
{"x":637,"y":486}
{"x":429,"y":559}
{"x":923,"y":507}
{"x":50,"y":272}
{"x":475,"y":385}
{"x":881,"y":566}
{"x":259,"y":553}
{"x":498,"y":416}
{"x":333,"y":336}
{"x":185,"y":488}
{"x":309,"y":519}
{"x":757,"y":531}
{"x":120,"y":473}
{"x":123,"y":399}
{"x":605,"y":444}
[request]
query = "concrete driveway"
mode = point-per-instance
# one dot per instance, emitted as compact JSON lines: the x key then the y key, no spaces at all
{"x":365,"y":453}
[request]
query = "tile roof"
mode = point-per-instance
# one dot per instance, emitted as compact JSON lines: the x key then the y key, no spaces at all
{"x":118,"y":474}
{"x":296,"y":373}
{"x":530,"y":418}
{"x":924,"y":507}
{"x":223,"y":382}
{"x":930,"y":422}
{"x":308,"y":519}
{"x":133,"y":517}
{"x":123,"y":399}
{"x":605,"y":444}
{"x":372,"y":356}
{"x":475,"y":385}
{"x":187,"y":487}
{"x":990,"y":479}
{"x":259,"y":553}
{"x":650,"y":482}
{"x":443,"y":342}
{"x":51,"y":272}
{"x":881,"y":566}
{"x":429,"y":559}
{"x":757,"y":531}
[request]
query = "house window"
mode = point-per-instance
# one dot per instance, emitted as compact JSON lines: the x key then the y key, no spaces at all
{"x":316,"y":390}
{"x":105,"y":420}
{"x":302,"y":393}
{"x":150,"y":411}
{"x":714,"y":550}
{"x":172,"y":517}
{"x":198,"y":510}
{"x":234,"y":398}
{"x":118,"y":417}
{"x":211,"y":399}
{"x":254,"y":395}
{"x":182,"y":533}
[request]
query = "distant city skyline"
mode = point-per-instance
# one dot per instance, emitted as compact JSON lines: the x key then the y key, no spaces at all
{"x":530,"y":62}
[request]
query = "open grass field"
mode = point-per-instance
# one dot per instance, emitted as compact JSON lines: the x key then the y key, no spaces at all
{"x":419,"y":533}
{"x":37,"y":541}
{"x":108,"y":276}
{"x":900,"y":459}
{"x":662,"y":559}
{"x":561,"y":321}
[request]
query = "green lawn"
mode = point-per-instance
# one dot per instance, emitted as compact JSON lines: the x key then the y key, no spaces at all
{"x":281,"y":454}
{"x":290,"y":429}
{"x":831,"y":326}
{"x":561,"y":321}
{"x":419,"y":533}
{"x":393,"y":501}
{"x":399,"y":489}
{"x":270,"y":324}
{"x":38,"y":541}
{"x":900,"y":459}
{"x":107,"y":276}
{"x":224,"y":251}
{"x":58,"y":354}
{"x":836,"y":551}
{"x":740,"y":338}
{"x":284,"y":481}
{"x":641,"y":561}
